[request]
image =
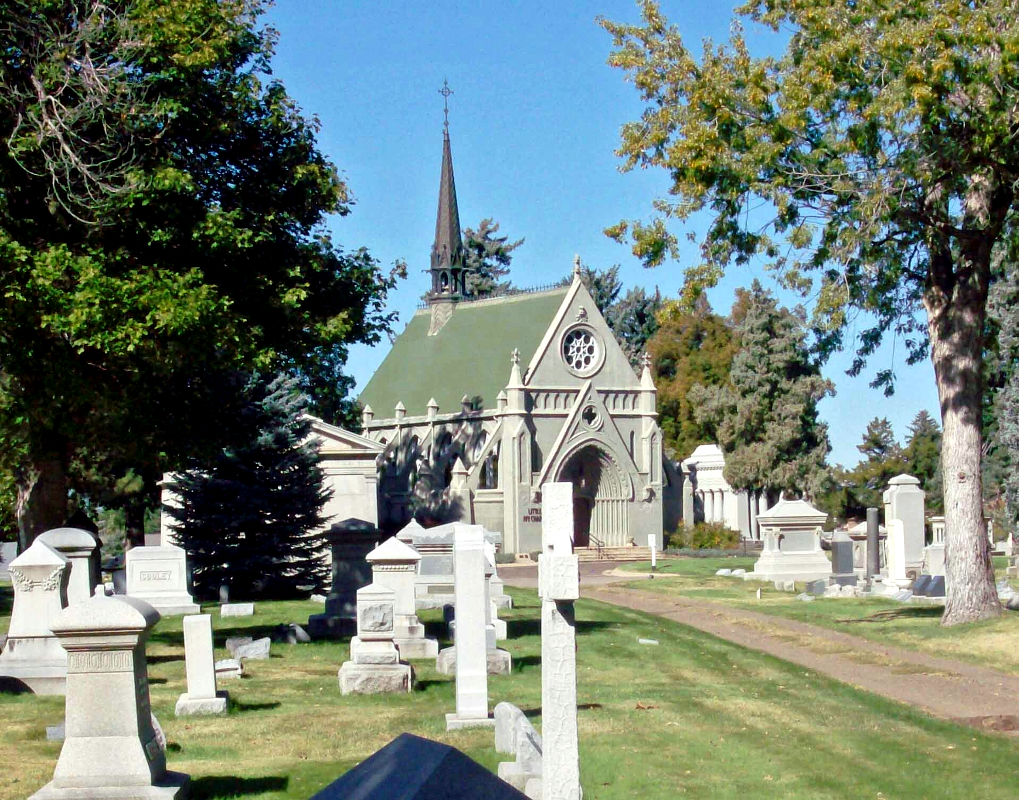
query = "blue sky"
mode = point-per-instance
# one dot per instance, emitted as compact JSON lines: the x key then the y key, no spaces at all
{"x":534,"y":122}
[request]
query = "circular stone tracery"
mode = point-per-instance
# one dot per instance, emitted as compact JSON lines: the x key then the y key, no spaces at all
{"x":580,"y":350}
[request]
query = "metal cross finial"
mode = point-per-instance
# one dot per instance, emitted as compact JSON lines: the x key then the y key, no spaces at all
{"x":645,"y":360}
{"x":445,"y":91}
{"x":515,"y":356}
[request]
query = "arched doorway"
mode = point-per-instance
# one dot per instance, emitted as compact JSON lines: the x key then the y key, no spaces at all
{"x":599,"y":498}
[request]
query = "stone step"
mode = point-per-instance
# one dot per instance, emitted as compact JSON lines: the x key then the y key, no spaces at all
{"x":587,"y":554}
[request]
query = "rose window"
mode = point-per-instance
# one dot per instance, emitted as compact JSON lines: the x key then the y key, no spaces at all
{"x":580,"y":350}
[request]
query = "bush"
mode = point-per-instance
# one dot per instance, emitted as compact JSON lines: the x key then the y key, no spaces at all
{"x":704,"y":535}
{"x":505,"y":558}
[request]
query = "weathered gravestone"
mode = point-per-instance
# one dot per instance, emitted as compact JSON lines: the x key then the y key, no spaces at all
{"x":237,"y":610}
{"x":32,"y":655}
{"x":394,"y":565}
{"x":201,"y":696}
{"x":413,"y":768}
{"x":515,"y":735}
{"x":471,"y":658}
{"x":375,"y":666}
{"x":111,"y":750}
{"x":159,"y":576}
{"x":842,"y":559}
{"x":78,"y":547}
{"x":792,"y":544}
{"x":349,"y":541}
{"x":904,"y":501}
{"x":558,"y":588}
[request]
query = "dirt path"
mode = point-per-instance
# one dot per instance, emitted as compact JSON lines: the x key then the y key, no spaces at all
{"x":950,"y":689}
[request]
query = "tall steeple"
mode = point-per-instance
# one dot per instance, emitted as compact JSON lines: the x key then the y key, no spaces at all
{"x":447,"y":264}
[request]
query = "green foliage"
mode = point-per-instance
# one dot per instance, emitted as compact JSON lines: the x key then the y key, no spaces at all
{"x":604,"y":286}
{"x":705,"y":536}
{"x":248,"y":518}
{"x":633,"y":318}
{"x":1002,"y":426}
{"x":689,"y":348}
{"x":766,"y":416}
{"x":487,"y":258}
{"x":161,"y":226}
{"x":923,"y":458}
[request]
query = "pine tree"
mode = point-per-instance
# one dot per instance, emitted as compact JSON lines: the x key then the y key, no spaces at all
{"x":923,"y":457}
{"x":604,"y":286}
{"x":766,"y":417}
{"x":883,"y":460}
{"x":248,"y":519}
{"x":488,"y":259}
{"x":633,"y":319}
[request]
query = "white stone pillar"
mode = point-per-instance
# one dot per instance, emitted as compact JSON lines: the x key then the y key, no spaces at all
{"x":755,"y":532}
{"x":471,"y":656}
{"x":709,"y":505}
{"x":200,"y":666}
{"x":110,"y":749}
{"x":558,"y":587}
{"x":77,"y":546}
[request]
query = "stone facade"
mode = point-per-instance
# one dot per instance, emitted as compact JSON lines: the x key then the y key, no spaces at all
{"x":708,"y":497}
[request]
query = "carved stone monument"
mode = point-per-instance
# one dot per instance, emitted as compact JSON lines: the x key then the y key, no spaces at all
{"x":111,"y":750}
{"x":394,"y":565}
{"x":350,"y":541}
{"x":201,"y":696}
{"x":159,"y":576}
{"x":558,"y":587}
{"x":375,"y":666}
{"x":792,"y":544}
{"x":33,"y":655}
{"x":78,"y":546}
{"x":904,"y":501}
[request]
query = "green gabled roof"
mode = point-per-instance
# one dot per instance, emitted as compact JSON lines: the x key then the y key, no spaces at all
{"x":469,"y":356}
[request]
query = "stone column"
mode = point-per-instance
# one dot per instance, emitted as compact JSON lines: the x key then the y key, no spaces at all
{"x":873,"y":544}
{"x":709,"y":505}
{"x":558,"y":587}
{"x":32,"y":655}
{"x":688,"y":505}
{"x":77,"y":546}
{"x":755,"y":532}
{"x":110,"y":749}
{"x":200,"y":666}
{"x":471,"y":655}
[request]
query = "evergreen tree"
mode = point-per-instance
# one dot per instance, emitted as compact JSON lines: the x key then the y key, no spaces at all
{"x":923,"y":458}
{"x":248,"y":518}
{"x":689,"y":348}
{"x":634,"y":321}
{"x":879,"y":442}
{"x":604,"y":286}
{"x":883,"y":460}
{"x":766,"y":416}
{"x":488,"y":259}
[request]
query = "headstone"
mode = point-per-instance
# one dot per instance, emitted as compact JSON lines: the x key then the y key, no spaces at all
{"x":652,"y":542}
{"x":8,"y":552}
{"x":897,"y":564}
{"x":224,"y":594}
{"x":471,"y":659}
{"x":111,"y":749}
{"x":842,"y":559}
{"x":791,"y":530}
{"x":496,"y":587}
{"x":349,"y":541}
{"x":228,"y":668}
{"x":873,"y":553}
{"x":158,"y":575}
{"x":936,"y":588}
{"x":200,"y":666}
{"x":233,"y":642}
{"x":558,"y":588}
{"x":78,"y":547}
{"x":413,"y":768}
{"x":290,"y":633}
{"x":394,"y":565}
{"x":32,"y":655}
{"x":495,"y":628}
{"x":506,"y":716}
{"x":738,"y":573}
{"x":525,"y":746}
{"x":817,"y":587}
{"x":375,"y":666}
{"x":904,"y":501}
{"x":257,"y":650}
{"x":921,"y":585}
{"x":237,"y":610}
{"x":724,"y":573}
{"x":934,"y":559}
{"x":119,"y":578}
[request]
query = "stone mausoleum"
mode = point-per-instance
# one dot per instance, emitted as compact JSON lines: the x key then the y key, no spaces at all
{"x":481,"y":401}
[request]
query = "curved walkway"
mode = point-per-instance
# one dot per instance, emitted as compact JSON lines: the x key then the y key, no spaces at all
{"x":954,"y":690}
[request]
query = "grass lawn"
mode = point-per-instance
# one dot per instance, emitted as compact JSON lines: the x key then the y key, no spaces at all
{"x":694,"y":717}
{"x":993,"y":643}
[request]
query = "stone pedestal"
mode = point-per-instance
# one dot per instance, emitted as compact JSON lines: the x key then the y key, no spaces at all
{"x":78,"y":547}
{"x":898,"y":570}
{"x":158,"y":575}
{"x":904,"y":501}
{"x":350,"y":541}
{"x":375,"y":666}
{"x":842,"y":559}
{"x":394,"y":565}
{"x":792,"y":544}
{"x":111,"y":750}
{"x":33,"y":655}
{"x":559,"y":587}
{"x":934,"y":559}
{"x":201,"y":696}
{"x":471,"y":601}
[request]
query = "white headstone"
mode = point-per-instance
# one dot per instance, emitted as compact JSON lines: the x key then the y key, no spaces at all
{"x":375,"y":666}
{"x":78,"y":547}
{"x":33,"y":655}
{"x":159,"y":576}
{"x":201,"y":696}
{"x":897,"y":563}
{"x":394,"y":565}
{"x":111,"y":749}
{"x":791,"y":531}
{"x":558,"y":587}
{"x":904,"y":501}
{"x":471,"y":658}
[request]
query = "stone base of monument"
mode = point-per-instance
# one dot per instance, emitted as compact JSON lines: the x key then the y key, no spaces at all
{"x":171,"y":606}
{"x":172,"y":786}
{"x":500,"y":629}
{"x":41,"y":677}
{"x":455,"y":723}
{"x":533,"y":789}
{"x":327,"y":626}
{"x":375,"y":678}
{"x":425,"y":602}
{"x":417,"y":647}
{"x":201,"y":706}
{"x":775,"y":565}
{"x":500,"y":662}
{"x":502,"y":601}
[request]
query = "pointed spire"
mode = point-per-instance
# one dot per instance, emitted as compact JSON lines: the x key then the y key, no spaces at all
{"x":447,"y":250}
{"x":576,"y":267}
{"x":516,"y":380}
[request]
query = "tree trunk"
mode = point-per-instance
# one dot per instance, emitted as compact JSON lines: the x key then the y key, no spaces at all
{"x":134,"y":521}
{"x":955,"y":318}
{"x":42,"y":495}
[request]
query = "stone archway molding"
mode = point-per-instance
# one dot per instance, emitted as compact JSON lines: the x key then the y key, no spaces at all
{"x":606,"y":452}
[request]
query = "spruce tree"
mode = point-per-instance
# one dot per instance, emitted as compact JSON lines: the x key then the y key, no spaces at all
{"x":488,"y":259}
{"x":923,"y":458}
{"x":766,"y":416}
{"x":633,"y":319}
{"x":249,"y":518}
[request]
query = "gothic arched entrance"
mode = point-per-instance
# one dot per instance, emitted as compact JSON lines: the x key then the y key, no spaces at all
{"x":600,"y":498}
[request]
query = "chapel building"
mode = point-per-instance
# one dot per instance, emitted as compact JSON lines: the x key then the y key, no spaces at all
{"x":481,"y":401}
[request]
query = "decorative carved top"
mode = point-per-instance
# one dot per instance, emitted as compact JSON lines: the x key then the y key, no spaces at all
{"x":582,"y":314}
{"x":51,"y":583}
{"x":515,"y":356}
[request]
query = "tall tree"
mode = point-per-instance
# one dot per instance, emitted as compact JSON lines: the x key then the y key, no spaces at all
{"x":877,"y":153}
{"x":250,"y":516}
{"x":634,"y":320}
{"x":604,"y":286}
{"x":923,"y":457}
{"x":766,"y":417}
{"x":161,"y":227}
{"x":488,"y":259}
{"x":882,"y":460}
{"x":689,"y":348}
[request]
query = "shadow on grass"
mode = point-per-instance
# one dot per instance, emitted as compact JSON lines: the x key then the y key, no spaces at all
{"x":893,"y":614}
{"x":425,"y":685}
{"x":245,"y":707}
{"x":229,"y":786}
{"x":156,"y":681}
{"x":163,"y":659}
{"x":526,"y":661}
{"x":6,"y":599}
{"x":532,"y":627}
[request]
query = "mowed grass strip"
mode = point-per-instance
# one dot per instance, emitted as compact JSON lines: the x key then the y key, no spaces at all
{"x":990,"y":643}
{"x":693,"y":717}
